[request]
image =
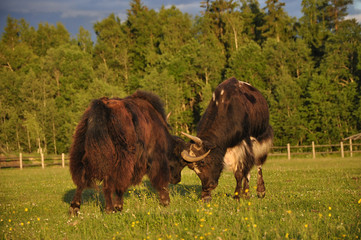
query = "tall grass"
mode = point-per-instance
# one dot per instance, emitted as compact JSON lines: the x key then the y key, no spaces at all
{"x":305,"y":199}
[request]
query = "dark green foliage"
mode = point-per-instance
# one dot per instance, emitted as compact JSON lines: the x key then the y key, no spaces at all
{"x":308,"y":70}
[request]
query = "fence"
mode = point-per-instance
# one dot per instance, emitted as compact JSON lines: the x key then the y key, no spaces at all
{"x":21,"y":161}
{"x":342,"y":149}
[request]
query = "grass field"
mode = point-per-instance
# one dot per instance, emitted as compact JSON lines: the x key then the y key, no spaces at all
{"x":305,"y":199}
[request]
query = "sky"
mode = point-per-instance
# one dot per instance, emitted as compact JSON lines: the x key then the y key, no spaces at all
{"x":75,"y":13}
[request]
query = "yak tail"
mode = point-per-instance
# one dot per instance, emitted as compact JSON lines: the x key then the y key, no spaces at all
{"x":99,"y":147}
{"x":92,"y":147}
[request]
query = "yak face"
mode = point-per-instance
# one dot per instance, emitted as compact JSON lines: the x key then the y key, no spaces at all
{"x":176,"y":162}
{"x":206,"y":161}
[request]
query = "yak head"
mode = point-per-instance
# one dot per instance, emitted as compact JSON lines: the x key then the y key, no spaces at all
{"x":176,"y":162}
{"x":206,"y":160}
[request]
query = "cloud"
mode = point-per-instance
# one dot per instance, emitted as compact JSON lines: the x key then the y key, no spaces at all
{"x":66,"y":8}
{"x":357,"y":5}
{"x":192,"y":7}
{"x":355,"y":16}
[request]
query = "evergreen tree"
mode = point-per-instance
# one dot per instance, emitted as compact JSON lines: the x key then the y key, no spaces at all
{"x":277,"y":23}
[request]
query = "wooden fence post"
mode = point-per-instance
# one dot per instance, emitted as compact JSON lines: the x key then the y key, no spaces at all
{"x":313,"y":150}
{"x":350,"y":147}
{"x":289,"y":151}
{"x":342,"y":152}
{"x":62,"y":160}
{"x":21,"y":160}
{"x":42,"y":160}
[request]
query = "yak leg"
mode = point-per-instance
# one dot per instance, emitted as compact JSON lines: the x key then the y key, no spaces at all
{"x":245,"y":189}
{"x":261,"y":190}
{"x":159,"y":177}
{"x":118,"y":202}
{"x":75,"y":204}
{"x":241,"y":177}
{"x":108,"y":191}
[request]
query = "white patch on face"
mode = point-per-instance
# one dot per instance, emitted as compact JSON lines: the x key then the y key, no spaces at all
{"x":196,"y":169}
{"x":214,"y":97}
{"x":222,"y":92}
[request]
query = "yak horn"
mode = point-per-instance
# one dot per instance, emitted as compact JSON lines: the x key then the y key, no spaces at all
{"x":190,"y":158}
{"x":168,"y":115}
{"x":194,"y":138}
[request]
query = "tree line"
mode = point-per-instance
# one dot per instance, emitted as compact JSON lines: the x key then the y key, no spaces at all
{"x":309,"y":69}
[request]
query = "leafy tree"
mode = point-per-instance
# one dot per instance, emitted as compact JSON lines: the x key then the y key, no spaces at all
{"x":248,"y":64}
{"x":111,"y":51}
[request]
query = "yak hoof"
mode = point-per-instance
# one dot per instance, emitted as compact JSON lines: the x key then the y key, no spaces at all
{"x":118,"y":208}
{"x":207,"y":199}
{"x":261,"y":194}
{"x":165,"y":202}
{"x":237,"y":197}
{"x":74,"y":211}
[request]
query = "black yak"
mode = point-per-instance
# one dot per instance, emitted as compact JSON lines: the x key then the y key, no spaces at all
{"x":235,"y":133}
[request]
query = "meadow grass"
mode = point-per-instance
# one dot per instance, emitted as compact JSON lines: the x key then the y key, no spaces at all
{"x":305,"y":199}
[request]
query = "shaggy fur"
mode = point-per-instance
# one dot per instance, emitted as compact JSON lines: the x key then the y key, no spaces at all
{"x":235,"y":127}
{"x":118,"y":141}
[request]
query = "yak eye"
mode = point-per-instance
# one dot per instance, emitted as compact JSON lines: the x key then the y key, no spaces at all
{"x":201,"y":163}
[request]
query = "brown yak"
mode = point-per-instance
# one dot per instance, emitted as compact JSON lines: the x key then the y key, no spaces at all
{"x":118,"y":141}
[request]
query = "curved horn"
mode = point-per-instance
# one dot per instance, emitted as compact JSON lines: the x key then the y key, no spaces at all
{"x":168,"y":115}
{"x":194,"y":138}
{"x":190,"y":158}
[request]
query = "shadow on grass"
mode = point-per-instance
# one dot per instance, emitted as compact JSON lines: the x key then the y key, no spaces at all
{"x":96,"y":195}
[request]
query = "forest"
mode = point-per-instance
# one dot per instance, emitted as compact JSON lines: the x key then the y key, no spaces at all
{"x":309,"y":69}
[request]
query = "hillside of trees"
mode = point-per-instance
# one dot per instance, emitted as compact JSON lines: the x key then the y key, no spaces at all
{"x":309,"y":69}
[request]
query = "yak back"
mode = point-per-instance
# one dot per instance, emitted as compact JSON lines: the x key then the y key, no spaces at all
{"x":236,"y":111}
{"x":153,"y":99}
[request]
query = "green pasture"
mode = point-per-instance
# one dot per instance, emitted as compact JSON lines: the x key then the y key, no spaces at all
{"x":305,"y":199}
